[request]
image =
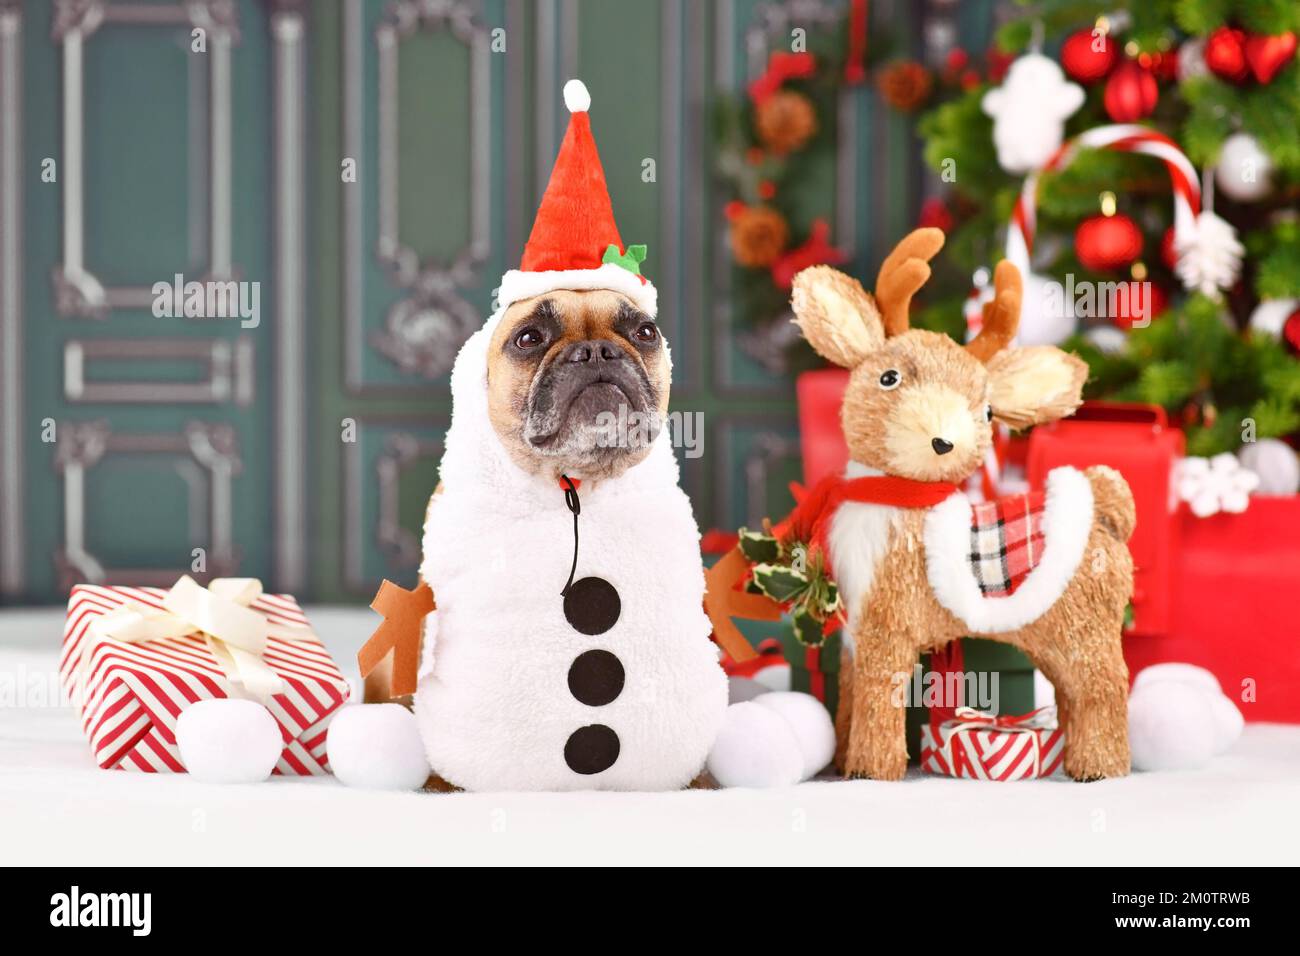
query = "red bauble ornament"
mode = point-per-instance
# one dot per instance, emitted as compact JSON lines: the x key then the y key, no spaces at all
{"x":1225,"y":54}
{"x":1088,"y":58}
{"x":1131,"y":93}
{"x":1291,"y":331}
{"x":1266,"y":55}
{"x":1104,"y":243}
{"x":934,"y":212}
{"x":1135,"y":301}
{"x":1168,"y":254}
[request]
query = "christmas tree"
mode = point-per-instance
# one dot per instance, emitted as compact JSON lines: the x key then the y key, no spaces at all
{"x":1204,"y":319}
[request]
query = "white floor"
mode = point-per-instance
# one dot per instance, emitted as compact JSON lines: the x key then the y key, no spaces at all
{"x":56,"y":807}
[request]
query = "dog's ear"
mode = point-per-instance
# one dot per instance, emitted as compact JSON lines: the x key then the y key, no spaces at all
{"x":836,"y":315}
{"x":1035,"y":384}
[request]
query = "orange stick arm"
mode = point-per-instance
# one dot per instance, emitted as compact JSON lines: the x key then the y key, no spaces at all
{"x":404,"y":612}
{"x":723,"y":601}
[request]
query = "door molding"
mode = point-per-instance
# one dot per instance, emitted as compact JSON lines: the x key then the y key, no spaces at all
{"x":13,"y":534}
{"x":78,"y":293}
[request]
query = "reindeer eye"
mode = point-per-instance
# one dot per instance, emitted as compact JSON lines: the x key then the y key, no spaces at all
{"x":890,"y":378}
{"x":988,"y":413}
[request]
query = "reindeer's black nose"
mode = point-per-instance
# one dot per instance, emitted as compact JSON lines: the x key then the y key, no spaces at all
{"x":941,"y":446}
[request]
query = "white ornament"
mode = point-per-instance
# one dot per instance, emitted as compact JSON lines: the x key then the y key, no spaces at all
{"x":1270,"y":316}
{"x":1211,"y":485}
{"x":377,"y":747}
{"x":1191,"y":60}
{"x":1276,"y":464}
{"x":1046,"y":312}
{"x":1209,"y":255}
{"x":1029,"y":111}
{"x":1107,"y":339}
{"x":1244,"y":170}
{"x":227,"y":740}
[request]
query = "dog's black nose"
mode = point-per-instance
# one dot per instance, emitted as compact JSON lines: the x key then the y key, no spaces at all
{"x":941,"y":446}
{"x":595,"y":350}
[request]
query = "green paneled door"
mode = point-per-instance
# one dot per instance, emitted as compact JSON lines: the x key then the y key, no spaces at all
{"x":147,"y":151}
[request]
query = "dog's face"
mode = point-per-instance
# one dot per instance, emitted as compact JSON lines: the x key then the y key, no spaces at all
{"x":577,"y":383}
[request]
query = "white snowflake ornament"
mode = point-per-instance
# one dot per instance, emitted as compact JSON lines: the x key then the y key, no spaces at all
{"x":1211,"y":485}
{"x":1029,"y":111}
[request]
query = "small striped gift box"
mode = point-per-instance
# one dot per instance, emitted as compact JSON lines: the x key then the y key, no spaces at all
{"x":130,"y":692}
{"x":983,"y":746}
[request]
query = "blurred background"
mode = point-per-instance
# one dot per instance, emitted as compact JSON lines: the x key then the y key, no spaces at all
{"x":373,"y":166}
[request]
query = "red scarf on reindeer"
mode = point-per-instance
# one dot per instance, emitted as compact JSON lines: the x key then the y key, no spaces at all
{"x":810,"y":522}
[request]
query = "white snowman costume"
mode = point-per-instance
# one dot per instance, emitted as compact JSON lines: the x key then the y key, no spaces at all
{"x":616,"y":686}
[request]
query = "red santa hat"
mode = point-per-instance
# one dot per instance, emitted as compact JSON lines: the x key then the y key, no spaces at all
{"x":575,"y":242}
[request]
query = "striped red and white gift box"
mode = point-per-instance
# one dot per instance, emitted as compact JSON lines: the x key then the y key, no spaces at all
{"x":958,"y":749}
{"x":129,"y":695}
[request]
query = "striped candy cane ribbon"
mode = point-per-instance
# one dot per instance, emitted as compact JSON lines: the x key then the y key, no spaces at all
{"x":1189,"y":222}
{"x":1122,"y":137}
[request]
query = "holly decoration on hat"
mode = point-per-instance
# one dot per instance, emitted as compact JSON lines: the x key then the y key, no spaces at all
{"x":630,"y":260}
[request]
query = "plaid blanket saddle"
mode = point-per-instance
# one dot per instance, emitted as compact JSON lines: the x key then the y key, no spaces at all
{"x":1007,"y":542}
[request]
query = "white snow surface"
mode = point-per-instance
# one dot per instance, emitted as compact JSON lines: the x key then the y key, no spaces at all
{"x":58,"y":808}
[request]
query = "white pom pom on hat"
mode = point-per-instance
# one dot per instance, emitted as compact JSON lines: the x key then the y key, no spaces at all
{"x":576,"y":96}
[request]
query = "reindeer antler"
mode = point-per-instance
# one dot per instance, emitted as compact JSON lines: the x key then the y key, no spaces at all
{"x":902,"y":273}
{"x":1001,"y":316}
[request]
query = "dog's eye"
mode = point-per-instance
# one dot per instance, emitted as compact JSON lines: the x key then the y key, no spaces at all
{"x":646,"y":333}
{"x":890,"y":378}
{"x":529,"y":338}
{"x":988,"y":413}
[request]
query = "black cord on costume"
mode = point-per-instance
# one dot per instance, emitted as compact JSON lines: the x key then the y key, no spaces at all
{"x":573,"y":504}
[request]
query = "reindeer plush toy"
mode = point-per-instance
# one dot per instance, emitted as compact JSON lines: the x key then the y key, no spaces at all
{"x":917,"y":564}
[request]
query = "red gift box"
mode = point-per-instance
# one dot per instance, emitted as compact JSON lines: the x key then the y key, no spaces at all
{"x":130,"y":694}
{"x":981,"y":746}
{"x":1136,"y":441}
{"x":1235,"y":581}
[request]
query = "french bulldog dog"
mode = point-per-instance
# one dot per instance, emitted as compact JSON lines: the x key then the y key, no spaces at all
{"x":558,"y":660}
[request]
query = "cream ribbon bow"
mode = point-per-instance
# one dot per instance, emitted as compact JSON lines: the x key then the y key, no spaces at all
{"x":236,"y":635}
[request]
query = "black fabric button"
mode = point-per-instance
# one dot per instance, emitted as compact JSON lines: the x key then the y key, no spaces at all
{"x":596,"y":678}
{"x":591,"y":749}
{"x":592,"y":606}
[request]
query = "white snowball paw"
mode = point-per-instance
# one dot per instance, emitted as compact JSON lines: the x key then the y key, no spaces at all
{"x":1171,"y":726}
{"x":228,"y":741}
{"x":813,"y":728}
{"x":377,"y":747}
{"x":1182,"y":673}
{"x":756,"y":747}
